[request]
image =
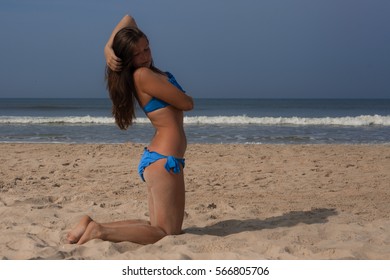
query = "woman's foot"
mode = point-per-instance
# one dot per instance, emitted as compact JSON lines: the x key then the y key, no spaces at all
{"x":93,"y":231}
{"x":78,"y":231}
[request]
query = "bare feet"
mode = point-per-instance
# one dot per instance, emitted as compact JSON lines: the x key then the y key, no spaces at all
{"x":93,"y":231}
{"x":75,"y":234}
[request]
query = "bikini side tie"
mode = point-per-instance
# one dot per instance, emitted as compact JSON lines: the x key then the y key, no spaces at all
{"x":174,"y":164}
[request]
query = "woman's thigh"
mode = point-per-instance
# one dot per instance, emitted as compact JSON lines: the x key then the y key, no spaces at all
{"x":166,"y":197}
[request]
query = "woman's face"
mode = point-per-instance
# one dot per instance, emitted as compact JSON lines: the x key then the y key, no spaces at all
{"x":142,"y":55}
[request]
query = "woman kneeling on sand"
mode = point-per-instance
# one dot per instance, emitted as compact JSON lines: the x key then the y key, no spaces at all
{"x":131,"y":76}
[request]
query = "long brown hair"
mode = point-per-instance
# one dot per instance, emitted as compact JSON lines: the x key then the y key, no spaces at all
{"x":120,"y":85}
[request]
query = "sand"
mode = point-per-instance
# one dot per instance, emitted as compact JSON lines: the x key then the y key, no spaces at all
{"x":243,"y":201}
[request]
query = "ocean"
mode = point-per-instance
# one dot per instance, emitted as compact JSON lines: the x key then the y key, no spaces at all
{"x":241,"y":121}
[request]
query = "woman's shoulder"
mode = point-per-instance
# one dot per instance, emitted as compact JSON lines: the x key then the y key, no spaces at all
{"x":146,"y":75}
{"x":141,"y":72}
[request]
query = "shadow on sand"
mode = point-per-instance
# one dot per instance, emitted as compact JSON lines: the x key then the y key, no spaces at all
{"x":225,"y":228}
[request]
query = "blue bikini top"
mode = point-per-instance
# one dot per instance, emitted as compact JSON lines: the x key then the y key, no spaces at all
{"x":155,"y":103}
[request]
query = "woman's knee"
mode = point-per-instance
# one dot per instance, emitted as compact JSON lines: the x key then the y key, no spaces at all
{"x":172,"y":231}
{"x":170,"y":226}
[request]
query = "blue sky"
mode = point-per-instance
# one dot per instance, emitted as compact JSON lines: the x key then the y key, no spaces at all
{"x":215,"y":48}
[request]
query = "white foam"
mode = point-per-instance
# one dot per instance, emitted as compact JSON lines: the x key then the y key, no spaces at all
{"x":299,"y":121}
{"x":365,"y":120}
{"x":56,"y":120}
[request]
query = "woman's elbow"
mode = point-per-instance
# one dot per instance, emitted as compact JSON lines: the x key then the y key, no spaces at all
{"x":189,"y":104}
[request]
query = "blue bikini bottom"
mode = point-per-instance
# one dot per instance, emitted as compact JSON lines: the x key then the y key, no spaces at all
{"x":148,"y":157}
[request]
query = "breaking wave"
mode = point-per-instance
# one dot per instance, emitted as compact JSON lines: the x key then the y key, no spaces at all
{"x":364,"y":120}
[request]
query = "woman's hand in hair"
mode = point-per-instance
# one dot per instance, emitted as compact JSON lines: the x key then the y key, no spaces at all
{"x":113,"y":62}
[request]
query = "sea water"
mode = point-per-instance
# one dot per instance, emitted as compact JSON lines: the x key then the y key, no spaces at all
{"x":254,"y":121}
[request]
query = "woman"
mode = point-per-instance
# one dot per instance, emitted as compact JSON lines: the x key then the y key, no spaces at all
{"x":132,"y":76}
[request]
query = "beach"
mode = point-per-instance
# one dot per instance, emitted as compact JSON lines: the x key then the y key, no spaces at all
{"x":242,"y":201}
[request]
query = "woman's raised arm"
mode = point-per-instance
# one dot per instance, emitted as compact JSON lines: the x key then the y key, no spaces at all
{"x":114,"y":62}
